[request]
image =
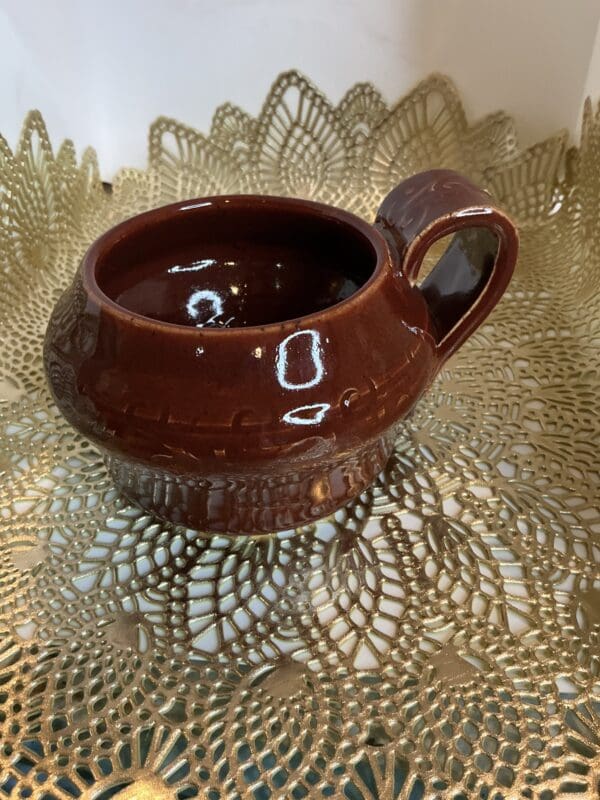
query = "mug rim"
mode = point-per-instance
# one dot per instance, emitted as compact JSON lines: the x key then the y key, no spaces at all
{"x":309,"y":208}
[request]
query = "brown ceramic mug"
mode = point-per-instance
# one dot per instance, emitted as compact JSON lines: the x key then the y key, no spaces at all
{"x":243,"y":362}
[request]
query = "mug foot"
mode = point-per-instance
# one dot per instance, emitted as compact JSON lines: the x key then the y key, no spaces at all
{"x":251,"y":504}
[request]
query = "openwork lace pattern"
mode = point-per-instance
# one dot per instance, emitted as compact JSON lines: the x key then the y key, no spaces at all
{"x":439,"y":637}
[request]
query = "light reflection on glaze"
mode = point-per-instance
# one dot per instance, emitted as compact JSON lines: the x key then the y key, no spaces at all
{"x":294,"y":417}
{"x":195,"y":266}
{"x":316,"y":354}
{"x":198,"y":297}
{"x":191,"y":206}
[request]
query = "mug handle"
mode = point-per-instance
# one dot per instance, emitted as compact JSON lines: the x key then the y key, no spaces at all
{"x":475,"y":269}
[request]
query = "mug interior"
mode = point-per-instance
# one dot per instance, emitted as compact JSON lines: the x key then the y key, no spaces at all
{"x":235,"y":263}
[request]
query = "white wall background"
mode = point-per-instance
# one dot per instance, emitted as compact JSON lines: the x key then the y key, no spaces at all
{"x":100,"y":72}
{"x":592,"y":83}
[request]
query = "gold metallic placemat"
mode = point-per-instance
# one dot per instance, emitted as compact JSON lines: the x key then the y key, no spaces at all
{"x":440,"y":637}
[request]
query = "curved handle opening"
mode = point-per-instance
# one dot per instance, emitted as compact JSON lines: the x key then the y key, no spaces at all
{"x":476,"y":267}
{"x":454,"y":272}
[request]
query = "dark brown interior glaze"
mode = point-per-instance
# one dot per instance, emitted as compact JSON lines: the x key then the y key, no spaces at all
{"x":236,"y":266}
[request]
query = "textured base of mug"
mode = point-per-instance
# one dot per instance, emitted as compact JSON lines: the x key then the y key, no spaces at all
{"x":249,"y":504}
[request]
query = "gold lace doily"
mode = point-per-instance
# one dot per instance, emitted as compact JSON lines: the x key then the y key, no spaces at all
{"x":439,"y":638}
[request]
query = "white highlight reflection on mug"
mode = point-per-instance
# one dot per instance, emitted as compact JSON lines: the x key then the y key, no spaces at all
{"x":315,"y":353}
{"x":297,"y":415}
{"x":195,"y":266}
{"x":206,"y":295}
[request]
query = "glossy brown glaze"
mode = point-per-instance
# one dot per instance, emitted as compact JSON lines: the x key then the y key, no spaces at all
{"x":244,"y":361}
{"x":246,"y":267}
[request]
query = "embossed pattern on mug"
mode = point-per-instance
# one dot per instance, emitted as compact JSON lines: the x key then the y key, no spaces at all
{"x":439,"y":637}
